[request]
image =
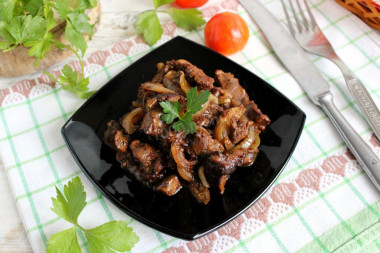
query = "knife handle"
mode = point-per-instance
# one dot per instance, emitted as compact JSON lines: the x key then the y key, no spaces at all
{"x":362,"y":152}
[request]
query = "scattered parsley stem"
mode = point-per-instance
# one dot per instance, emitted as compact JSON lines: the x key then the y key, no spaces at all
{"x":77,"y":55}
{"x":71,"y":80}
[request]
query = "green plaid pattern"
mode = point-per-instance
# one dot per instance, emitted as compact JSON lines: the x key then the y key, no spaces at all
{"x":322,"y":202}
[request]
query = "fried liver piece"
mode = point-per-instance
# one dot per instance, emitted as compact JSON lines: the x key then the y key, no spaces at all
{"x":193,"y":73}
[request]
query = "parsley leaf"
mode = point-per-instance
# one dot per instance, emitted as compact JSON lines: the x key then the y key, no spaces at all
{"x":14,"y":28}
{"x":194,"y":104}
{"x":75,"y":38}
{"x":114,"y":236}
{"x":149,"y":26}
{"x":38,"y":48}
{"x":22,"y":29}
{"x":171,"y":110}
{"x":32,"y":6}
{"x":187,"y":19}
{"x":6,"y":9}
{"x":5,"y":34}
{"x":62,"y":7}
{"x":71,"y":204}
{"x":64,"y":241}
{"x":33,"y":28}
{"x":71,"y":81}
{"x":80,"y":21}
{"x":5,"y":45}
{"x":194,"y":101}
{"x":158,"y":3}
{"x":186,"y":123}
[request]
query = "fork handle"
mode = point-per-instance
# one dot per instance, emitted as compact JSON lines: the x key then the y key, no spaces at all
{"x":364,"y":100}
{"x":362,"y":152}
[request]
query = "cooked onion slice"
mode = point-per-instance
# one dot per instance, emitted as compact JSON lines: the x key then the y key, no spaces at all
{"x":201,"y":174}
{"x":222,"y":182}
{"x":185,"y":86}
{"x":184,"y":166}
{"x":160,"y":65}
{"x":130,"y":120}
{"x":248,"y":141}
{"x":228,"y":144}
{"x":136,"y":104}
{"x":256,"y":141}
{"x":159,"y":88}
{"x":171,"y":81}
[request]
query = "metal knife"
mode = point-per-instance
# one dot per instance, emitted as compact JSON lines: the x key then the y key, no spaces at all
{"x":308,"y":77}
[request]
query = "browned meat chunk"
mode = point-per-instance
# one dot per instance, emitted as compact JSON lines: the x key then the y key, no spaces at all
{"x":172,"y":97}
{"x":231,"y":84}
{"x":225,"y":164}
{"x":109,"y":134}
{"x":199,"y":191}
{"x":121,"y":141}
{"x":149,"y":159}
{"x":204,"y":144}
{"x":239,"y":130}
{"x":254,"y":113}
{"x":143,"y":153}
{"x":194,"y":73}
{"x":152,"y":124}
{"x":206,"y":117}
{"x":222,"y":164}
{"x":170,"y":185}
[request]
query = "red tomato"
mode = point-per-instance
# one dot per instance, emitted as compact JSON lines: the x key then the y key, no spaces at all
{"x":189,"y":3}
{"x":226,"y":33}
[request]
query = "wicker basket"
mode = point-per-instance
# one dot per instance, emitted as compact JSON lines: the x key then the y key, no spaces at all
{"x":367,"y":10}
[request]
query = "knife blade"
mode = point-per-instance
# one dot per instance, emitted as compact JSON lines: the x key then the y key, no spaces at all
{"x":294,"y":58}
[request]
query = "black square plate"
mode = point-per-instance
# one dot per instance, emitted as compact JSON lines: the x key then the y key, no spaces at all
{"x":181,"y":216}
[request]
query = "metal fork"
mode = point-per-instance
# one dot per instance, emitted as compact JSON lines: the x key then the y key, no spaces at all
{"x":311,"y":38}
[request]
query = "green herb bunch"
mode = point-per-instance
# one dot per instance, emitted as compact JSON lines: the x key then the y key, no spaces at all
{"x":30,"y":23}
{"x":113,"y":236}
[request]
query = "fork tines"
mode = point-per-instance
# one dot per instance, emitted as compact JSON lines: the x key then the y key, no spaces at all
{"x":304,"y":24}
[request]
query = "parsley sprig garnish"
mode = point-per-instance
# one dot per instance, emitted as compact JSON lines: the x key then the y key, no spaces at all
{"x":31,"y":23}
{"x":113,"y":236}
{"x":172,"y":111}
{"x":148,"y":24}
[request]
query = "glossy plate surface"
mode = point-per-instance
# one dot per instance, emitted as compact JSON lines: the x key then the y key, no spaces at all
{"x":181,"y":216}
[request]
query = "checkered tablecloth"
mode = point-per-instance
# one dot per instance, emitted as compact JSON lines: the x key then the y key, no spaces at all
{"x":322,"y":202}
